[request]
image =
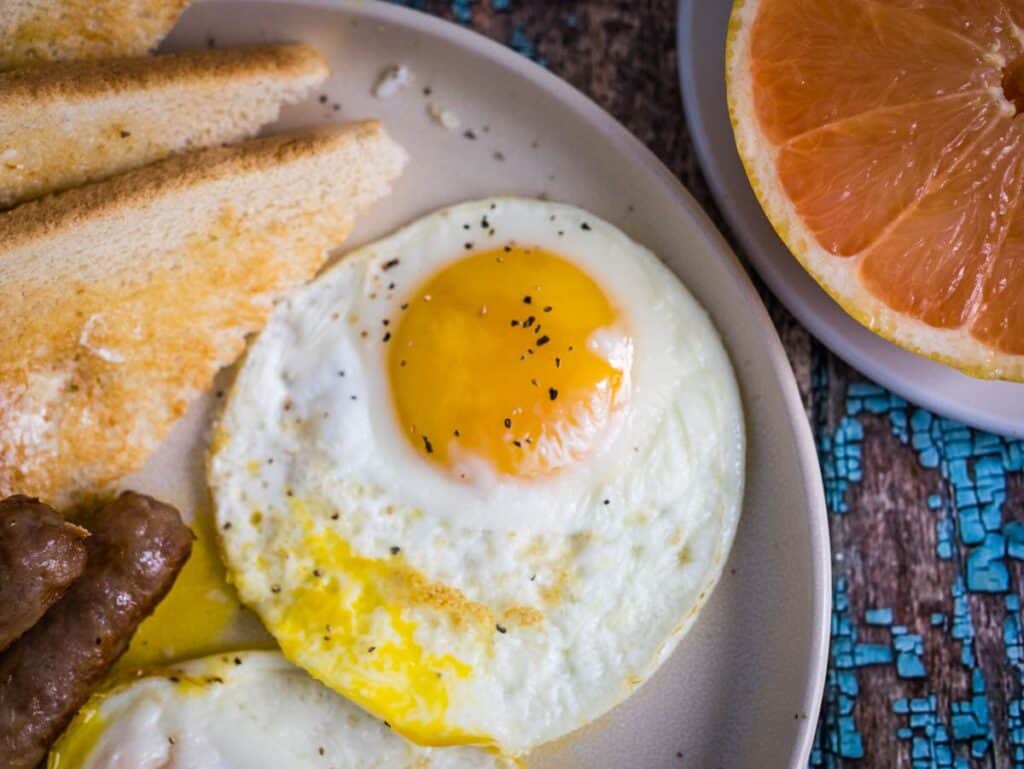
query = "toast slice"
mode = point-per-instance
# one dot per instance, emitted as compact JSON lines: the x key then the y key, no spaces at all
{"x":123,"y":298}
{"x":67,"y":123}
{"x":33,"y":31}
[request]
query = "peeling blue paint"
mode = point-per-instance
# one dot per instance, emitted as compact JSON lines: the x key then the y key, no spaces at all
{"x":972,"y":470}
{"x":522,"y":43}
{"x":462,"y":11}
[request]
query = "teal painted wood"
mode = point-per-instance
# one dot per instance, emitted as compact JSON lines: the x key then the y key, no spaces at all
{"x":927,"y":516}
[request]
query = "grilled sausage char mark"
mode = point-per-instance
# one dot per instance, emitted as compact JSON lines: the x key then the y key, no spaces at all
{"x":41,"y":554}
{"x":136,"y":549}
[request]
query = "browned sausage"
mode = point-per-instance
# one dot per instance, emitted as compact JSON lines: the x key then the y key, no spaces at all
{"x":137,"y":548}
{"x":40,"y":555}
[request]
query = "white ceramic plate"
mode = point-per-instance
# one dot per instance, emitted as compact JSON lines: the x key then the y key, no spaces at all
{"x":744,"y":686}
{"x":994,"y":406}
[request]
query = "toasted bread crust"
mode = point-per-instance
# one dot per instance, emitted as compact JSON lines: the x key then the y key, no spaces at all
{"x":68,"y":123}
{"x":55,"y":30}
{"x":70,"y":209}
{"x":78,"y":81}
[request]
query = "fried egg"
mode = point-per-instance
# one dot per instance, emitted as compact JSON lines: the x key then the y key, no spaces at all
{"x":480,"y":475}
{"x":251,"y":710}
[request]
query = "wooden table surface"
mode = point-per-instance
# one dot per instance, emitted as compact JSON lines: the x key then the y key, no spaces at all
{"x":926,"y":516}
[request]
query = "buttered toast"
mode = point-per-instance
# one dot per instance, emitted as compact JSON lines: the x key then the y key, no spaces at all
{"x":33,"y":31}
{"x":67,"y":123}
{"x":122,"y":299}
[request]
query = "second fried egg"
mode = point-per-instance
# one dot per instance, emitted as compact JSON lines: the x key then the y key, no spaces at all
{"x":480,"y":475}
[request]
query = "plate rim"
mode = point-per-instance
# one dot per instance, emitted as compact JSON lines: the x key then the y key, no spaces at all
{"x":645,"y":160}
{"x":840,"y":333}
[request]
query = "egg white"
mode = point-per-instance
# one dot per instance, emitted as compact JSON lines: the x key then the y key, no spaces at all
{"x":249,"y":710}
{"x":570,"y":589}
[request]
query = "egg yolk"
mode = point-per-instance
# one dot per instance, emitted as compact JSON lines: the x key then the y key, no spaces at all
{"x":202,"y":594}
{"x":514,"y":357}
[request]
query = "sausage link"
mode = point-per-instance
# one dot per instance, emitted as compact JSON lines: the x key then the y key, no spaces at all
{"x":137,"y":548}
{"x":40,"y":555}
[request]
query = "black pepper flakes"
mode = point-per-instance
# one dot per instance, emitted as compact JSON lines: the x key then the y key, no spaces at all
{"x":457,"y":433}
{"x":427,"y":445}
{"x":607,"y":502}
{"x":275,"y":588}
{"x":517,"y":444}
{"x":529,"y":321}
{"x":513,"y":323}
{"x":501,"y":629}
{"x":469,"y":134}
{"x":387,"y":337}
{"x":389,"y":264}
{"x":585,"y":226}
{"x":527,"y":299}
{"x":323,"y":98}
{"x":320,"y":751}
{"x":395,"y":550}
{"x":125,"y":134}
{"x":508,"y":423}
{"x":317,"y":573}
{"x":552,"y":393}
{"x":238,"y":660}
{"x":335,"y":516}
{"x":371,"y":650}
{"x":543,"y":340}
{"x":467,"y":246}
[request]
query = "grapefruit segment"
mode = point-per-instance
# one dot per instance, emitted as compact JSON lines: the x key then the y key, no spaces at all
{"x":850,"y":179}
{"x":885,"y":142}
{"x":933,"y":262}
{"x":986,"y":23}
{"x":815,"y":62}
{"x":1000,"y":316}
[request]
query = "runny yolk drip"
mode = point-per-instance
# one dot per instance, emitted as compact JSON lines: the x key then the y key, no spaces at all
{"x":195,"y":618}
{"x":512,"y":357}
